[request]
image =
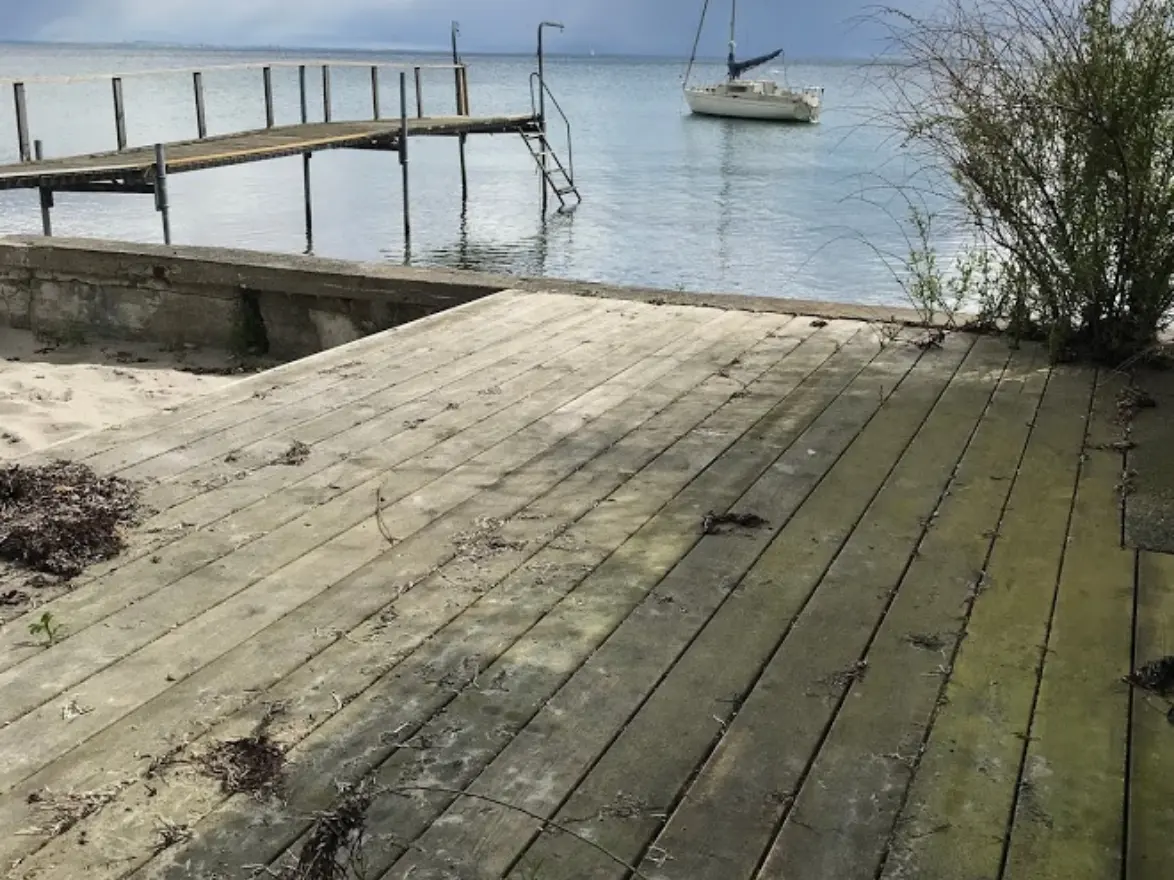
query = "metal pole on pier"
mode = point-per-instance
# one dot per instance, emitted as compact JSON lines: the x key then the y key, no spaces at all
{"x":119,"y":114}
{"x":419,"y":96}
{"x":403,"y":161}
{"x":22,"y":121}
{"x":375,"y":108}
{"x":161,"y":203}
{"x":201,"y":118}
{"x":325,"y":92}
{"x":46,"y":195}
{"x":306,"y":162}
{"x":462,"y":110}
{"x":267,"y":78}
{"x":542,"y":110}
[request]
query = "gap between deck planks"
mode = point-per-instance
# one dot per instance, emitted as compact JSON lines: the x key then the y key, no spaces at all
{"x":642,"y":408}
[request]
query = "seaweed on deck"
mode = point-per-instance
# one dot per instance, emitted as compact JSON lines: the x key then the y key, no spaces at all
{"x":1156,"y":676}
{"x":335,"y":844}
{"x":61,"y":517}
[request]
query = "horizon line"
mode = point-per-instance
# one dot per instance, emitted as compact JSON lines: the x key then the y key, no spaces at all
{"x":416,"y":50}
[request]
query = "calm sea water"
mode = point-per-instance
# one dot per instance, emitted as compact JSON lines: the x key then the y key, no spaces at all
{"x":671,"y":200}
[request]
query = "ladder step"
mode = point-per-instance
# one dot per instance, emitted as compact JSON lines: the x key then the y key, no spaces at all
{"x":567,"y":191}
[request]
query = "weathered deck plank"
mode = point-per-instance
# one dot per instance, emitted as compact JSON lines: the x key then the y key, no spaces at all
{"x":954,"y":823}
{"x":1069,"y":821}
{"x":1150,"y":845}
{"x":856,"y":781}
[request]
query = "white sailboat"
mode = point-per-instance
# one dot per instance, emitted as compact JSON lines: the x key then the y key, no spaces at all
{"x":738,"y":98}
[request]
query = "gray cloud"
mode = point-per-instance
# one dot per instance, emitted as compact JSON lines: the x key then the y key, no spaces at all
{"x":824,"y":29}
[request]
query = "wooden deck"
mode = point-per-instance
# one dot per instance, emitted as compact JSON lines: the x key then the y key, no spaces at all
{"x":491,"y":575}
{"x":137,"y":164}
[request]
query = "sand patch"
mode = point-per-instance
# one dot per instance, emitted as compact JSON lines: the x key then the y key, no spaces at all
{"x":50,"y":393}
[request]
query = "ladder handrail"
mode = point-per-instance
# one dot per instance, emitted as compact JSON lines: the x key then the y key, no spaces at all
{"x":557,"y":106}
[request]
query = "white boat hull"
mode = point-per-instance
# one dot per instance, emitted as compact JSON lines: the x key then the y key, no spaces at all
{"x":783,"y":106}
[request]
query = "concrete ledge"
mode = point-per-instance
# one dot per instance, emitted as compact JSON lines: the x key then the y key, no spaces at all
{"x":286,"y":306}
{"x":294,"y":304}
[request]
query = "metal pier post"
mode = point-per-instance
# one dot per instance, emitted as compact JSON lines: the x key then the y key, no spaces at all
{"x":119,"y":113}
{"x":22,"y":121}
{"x":306,"y":192}
{"x":462,"y":110}
{"x":46,"y":195}
{"x":403,"y":161}
{"x":161,"y":203}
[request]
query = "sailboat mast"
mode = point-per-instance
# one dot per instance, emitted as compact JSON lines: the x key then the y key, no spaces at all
{"x":733,"y":28}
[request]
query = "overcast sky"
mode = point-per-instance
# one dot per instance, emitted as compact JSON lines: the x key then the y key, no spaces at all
{"x":806,"y":28}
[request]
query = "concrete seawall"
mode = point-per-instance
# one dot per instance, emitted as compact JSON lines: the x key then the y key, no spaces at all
{"x":284,"y":306}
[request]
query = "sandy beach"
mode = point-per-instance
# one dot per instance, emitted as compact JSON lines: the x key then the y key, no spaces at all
{"x":50,"y":393}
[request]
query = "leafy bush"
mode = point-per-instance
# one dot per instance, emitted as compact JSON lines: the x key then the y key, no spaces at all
{"x":1054,"y":121}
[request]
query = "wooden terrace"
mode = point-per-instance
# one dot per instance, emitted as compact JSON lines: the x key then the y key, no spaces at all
{"x":503,"y":587}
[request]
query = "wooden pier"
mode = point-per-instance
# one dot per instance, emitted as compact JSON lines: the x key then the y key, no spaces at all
{"x":144,"y":169}
{"x":501,"y":585}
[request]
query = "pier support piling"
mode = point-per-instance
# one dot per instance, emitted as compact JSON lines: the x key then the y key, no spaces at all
{"x":161,"y":203}
{"x":119,"y":114}
{"x":326,"y":114}
{"x":403,"y":161}
{"x":303,"y":88}
{"x":462,"y":110}
{"x":22,"y":121}
{"x":201,"y":117}
{"x":46,"y":195}
{"x":267,"y":79}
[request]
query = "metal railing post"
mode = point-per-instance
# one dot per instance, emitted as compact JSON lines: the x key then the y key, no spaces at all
{"x":22,"y":122}
{"x":267,"y":79}
{"x":46,"y":195}
{"x":326,"y":93}
{"x":119,"y":113}
{"x":201,"y":119}
{"x":161,"y":203}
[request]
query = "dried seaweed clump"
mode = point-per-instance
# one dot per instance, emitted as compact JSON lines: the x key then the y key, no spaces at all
{"x":335,"y":845}
{"x":60,"y":518}
{"x":1156,"y":676}
{"x":250,"y":765}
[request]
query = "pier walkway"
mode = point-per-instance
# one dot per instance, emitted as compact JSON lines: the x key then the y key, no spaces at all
{"x":589,"y":588}
{"x":137,"y":165}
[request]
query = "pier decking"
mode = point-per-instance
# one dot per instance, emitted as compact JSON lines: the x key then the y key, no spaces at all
{"x":138,"y":164}
{"x":503,"y":568}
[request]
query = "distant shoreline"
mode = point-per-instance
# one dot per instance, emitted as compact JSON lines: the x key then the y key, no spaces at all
{"x":412,"y":50}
